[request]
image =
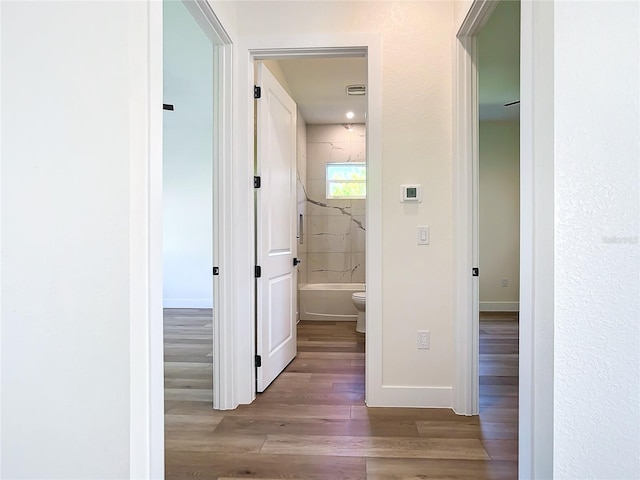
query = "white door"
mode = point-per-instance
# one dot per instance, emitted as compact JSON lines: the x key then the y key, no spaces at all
{"x":275,"y":229}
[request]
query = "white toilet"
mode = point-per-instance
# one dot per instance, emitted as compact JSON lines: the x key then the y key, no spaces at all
{"x":360,"y":301}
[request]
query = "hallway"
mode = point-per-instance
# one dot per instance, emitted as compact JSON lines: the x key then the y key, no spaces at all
{"x":311,"y":423}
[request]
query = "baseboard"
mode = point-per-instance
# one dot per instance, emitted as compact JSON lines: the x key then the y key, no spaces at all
{"x":499,"y":306}
{"x":413,"y":397}
{"x":187,"y":303}
{"x":327,"y":317}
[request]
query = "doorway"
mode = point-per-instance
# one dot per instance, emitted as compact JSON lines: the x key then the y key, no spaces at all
{"x":496,"y":103}
{"x":296,"y":47}
{"x":498,"y":221}
{"x":195,"y":141}
{"x":188,"y":210}
{"x":535,"y":417}
{"x":499,"y":160}
{"x":329,"y":216}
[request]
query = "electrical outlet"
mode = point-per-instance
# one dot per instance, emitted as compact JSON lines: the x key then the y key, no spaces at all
{"x":424,"y":339}
{"x":504,"y":283}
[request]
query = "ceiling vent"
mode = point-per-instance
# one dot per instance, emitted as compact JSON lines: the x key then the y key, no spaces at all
{"x":356,"y":90}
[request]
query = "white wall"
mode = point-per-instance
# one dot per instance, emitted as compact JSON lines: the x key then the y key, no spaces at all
{"x":226,"y":13}
{"x":460,"y":10}
{"x":66,"y":108}
{"x":187,"y":161}
{"x":416,"y":139}
{"x":276,"y":70}
{"x":499,"y":215}
{"x":597,"y":250}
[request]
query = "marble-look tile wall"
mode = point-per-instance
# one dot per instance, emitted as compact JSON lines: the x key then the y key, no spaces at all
{"x":335,"y":232}
{"x":301,"y":151}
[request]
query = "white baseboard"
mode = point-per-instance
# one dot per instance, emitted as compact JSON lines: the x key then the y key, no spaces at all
{"x":499,"y":306}
{"x":328,"y":317}
{"x":416,"y":397}
{"x":187,"y":303}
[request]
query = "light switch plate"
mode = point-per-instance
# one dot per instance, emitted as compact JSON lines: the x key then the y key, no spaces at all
{"x":424,"y":235}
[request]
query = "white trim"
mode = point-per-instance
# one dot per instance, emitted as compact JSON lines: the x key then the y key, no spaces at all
{"x":535,"y":446}
{"x":208,"y":21}
{"x":307,"y":52}
{"x":262,"y":47}
{"x":499,"y":306}
{"x":478,"y":14}
{"x":415,"y":397}
{"x":1,"y":449}
{"x":465,"y":207}
{"x":187,"y":303}
{"x":145,"y":225}
{"x":535,"y":456}
{"x":223,"y":324}
{"x":145,"y":255}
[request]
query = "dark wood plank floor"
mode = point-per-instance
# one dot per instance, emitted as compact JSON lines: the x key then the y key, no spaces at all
{"x":312,"y":423}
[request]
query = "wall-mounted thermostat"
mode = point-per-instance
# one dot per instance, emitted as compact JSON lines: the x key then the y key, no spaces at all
{"x":411,"y":193}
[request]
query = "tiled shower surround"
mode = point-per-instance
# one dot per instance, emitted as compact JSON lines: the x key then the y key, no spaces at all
{"x":335,"y":236}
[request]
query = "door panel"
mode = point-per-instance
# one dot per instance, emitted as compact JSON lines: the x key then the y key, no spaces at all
{"x":275,"y":228}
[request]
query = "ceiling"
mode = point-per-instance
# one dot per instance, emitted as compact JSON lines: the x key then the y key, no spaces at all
{"x":318,"y":86}
{"x":499,"y":63}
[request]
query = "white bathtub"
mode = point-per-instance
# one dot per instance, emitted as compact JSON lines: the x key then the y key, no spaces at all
{"x":329,"y":301}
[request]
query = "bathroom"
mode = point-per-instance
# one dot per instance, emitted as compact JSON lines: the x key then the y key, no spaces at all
{"x":331,"y":140}
{"x":333,"y":242}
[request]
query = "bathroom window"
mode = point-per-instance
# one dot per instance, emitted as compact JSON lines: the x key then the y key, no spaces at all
{"x":346,"y":180}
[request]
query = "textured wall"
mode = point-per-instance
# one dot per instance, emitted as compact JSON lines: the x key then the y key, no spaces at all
{"x":336,"y":228}
{"x":597,"y":275}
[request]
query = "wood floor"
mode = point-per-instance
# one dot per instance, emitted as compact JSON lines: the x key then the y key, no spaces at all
{"x":312,"y":423}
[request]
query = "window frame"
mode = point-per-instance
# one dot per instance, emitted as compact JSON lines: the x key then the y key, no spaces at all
{"x":328,"y":181}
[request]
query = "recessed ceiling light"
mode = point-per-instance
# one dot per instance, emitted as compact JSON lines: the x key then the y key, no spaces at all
{"x":350,"y":115}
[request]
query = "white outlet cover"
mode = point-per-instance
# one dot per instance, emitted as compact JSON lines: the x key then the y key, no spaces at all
{"x":424,"y":339}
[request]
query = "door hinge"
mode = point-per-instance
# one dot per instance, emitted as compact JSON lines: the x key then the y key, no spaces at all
{"x":258,"y":360}
{"x":258,"y":271}
{"x":216,"y":271}
{"x":167,"y":106}
{"x":475,"y":271}
{"x":296,"y":261}
{"x":257,"y":92}
{"x":257,"y":182}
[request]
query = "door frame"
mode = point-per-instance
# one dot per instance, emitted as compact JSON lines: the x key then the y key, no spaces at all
{"x":223,"y":398}
{"x":146,"y":387}
{"x":465,"y":208}
{"x":253,"y":48}
{"x":535,"y":451}
{"x":211,"y":26}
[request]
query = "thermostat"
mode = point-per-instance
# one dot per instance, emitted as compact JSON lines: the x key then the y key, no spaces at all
{"x":411,"y":193}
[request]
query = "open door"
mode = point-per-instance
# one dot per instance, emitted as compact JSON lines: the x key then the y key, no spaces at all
{"x":276,"y":245}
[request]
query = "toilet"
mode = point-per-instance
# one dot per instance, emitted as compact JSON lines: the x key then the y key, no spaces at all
{"x":360,"y":301}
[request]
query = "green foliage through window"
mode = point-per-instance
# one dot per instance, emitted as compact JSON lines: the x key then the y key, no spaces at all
{"x":346,"y":180}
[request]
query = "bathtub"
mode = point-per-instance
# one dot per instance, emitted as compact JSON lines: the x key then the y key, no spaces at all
{"x":329,"y":301}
